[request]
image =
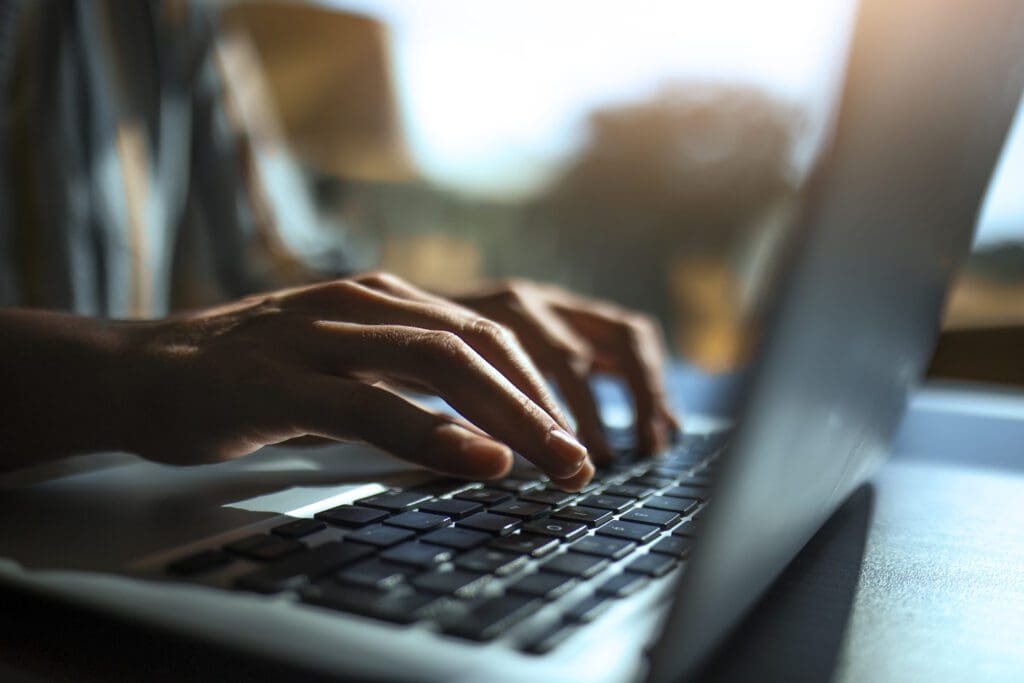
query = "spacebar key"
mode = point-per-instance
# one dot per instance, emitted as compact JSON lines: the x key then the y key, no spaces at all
{"x":492,"y":618}
{"x":294,"y":571}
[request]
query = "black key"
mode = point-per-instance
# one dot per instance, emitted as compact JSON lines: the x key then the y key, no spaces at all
{"x":676,"y":546}
{"x":646,"y":515}
{"x":423,"y":555}
{"x":264,"y":547}
{"x":629,"y":491}
{"x":567,"y":531}
{"x":613,"y":503}
{"x":588,"y":609}
{"x":522,"y":509}
{"x":548,"y":497}
{"x":652,"y":480}
{"x":622,"y":585}
{"x":698,"y":480}
{"x":526,"y":544}
{"x":485,"y":496}
{"x":375,"y":574}
{"x":493,"y":524}
{"x":633,"y":531}
{"x":490,"y":561}
{"x":417,"y":521}
{"x":456,"y":582}
{"x":517,"y":485}
{"x":548,"y":638}
{"x":395,"y":501}
{"x":299,"y":528}
{"x":494,"y":617}
{"x":685,"y":492}
{"x":576,"y":564}
{"x":583,"y":515}
{"x":671,"y":471}
{"x":687,"y":529}
{"x":295,"y":571}
{"x":456,"y":509}
{"x":198,"y":563}
{"x":460,"y":539}
{"x":351,"y":515}
{"x":652,"y":564}
{"x":399,"y":606}
{"x":543,"y":585}
{"x":380,"y":535}
{"x":604,"y":546}
{"x":680,"y":505}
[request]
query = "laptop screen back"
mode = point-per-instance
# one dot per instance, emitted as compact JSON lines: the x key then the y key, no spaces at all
{"x":931,"y":88}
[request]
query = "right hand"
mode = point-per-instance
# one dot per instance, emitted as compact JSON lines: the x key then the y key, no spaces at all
{"x":317,"y":360}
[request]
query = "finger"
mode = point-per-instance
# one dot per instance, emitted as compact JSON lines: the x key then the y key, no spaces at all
{"x":458,"y":374}
{"x":498,"y":346}
{"x":577,"y":481}
{"x":562,"y":354}
{"x":344,"y":409}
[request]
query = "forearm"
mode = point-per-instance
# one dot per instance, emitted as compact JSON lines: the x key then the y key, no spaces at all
{"x":63,"y":388}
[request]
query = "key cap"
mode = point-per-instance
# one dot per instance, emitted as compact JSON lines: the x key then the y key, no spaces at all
{"x":604,"y":546}
{"x":423,"y":555}
{"x":417,"y":521}
{"x":490,"y":561}
{"x":652,"y":481}
{"x":646,"y":515}
{"x":264,"y":547}
{"x":485,"y":496}
{"x":299,"y":528}
{"x":526,"y":544}
{"x":652,"y":564}
{"x":456,"y":509}
{"x":395,"y":501}
{"x":576,"y":564}
{"x":548,"y":638}
{"x":517,"y":485}
{"x":699,"y":481}
{"x":493,"y":617}
{"x":398,"y":606}
{"x":462,"y":584}
{"x":567,"y":531}
{"x":633,"y":531}
{"x":583,"y":515}
{"x":543,"y":585}
{"x":622,"y":585}
{"x":295,"y":571}
{"x":629,"y":491}
{"x":460,"y":539}
{"x":680,"y":505}
{"x":548,"y":497}
{"x":685,"y":492}
{"x":687,"y":529}
{"x":493,"y":524}
{"x":588,"y":609}
{"x":523,"y":509}
{"x":676,"y":546}
{"x":375,"y":574}
{"x":351,"y":516}
{"x":380,"y":535}
{"x":613,"y":503}
{"x":199,"y":563}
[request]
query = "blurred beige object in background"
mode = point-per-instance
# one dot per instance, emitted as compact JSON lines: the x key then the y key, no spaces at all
{"x":329,"y":77}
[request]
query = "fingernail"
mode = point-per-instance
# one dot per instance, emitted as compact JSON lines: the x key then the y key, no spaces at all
{"x":578,"y":480}
{"x":570,"y":452}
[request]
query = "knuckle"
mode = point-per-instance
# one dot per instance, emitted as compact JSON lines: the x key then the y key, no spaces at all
{"x":489,"y":330}
{"x":443,"y":344}
{"x":382,"y":279}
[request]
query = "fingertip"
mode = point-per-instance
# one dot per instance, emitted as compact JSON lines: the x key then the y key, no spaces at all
{"x":577,"y":481}
{"x":572,"y":455}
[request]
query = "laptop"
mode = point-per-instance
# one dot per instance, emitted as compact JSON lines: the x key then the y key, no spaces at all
{"x":343,"y":563}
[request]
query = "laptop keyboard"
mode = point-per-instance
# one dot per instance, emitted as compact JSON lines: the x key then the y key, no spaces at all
{"x":476,"y":560}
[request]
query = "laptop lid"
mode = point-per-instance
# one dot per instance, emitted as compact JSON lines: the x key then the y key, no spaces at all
{"x":931,"y":87}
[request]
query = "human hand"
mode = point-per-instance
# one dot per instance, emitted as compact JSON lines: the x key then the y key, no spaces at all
{"x":315,"y":361}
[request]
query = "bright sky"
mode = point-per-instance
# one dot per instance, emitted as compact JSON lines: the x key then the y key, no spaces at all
{"x":493,"y":93}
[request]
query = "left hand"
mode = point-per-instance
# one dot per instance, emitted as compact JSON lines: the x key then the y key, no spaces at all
{"x":570,"y":337}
